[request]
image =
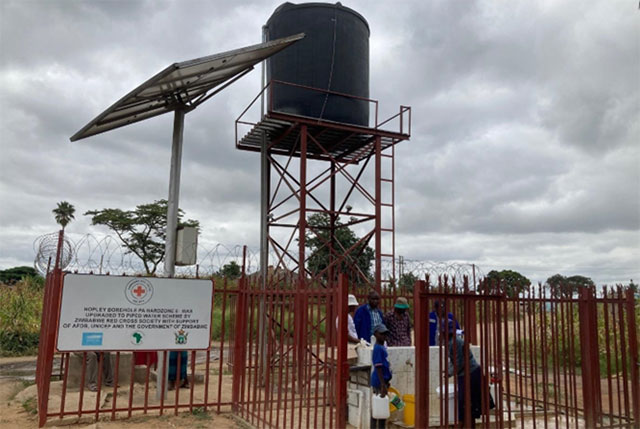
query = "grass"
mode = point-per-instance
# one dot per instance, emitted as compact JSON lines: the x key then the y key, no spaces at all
{"x":216,"y":325}
{"x":30,"y":406}
{"x":566,"y":341}
{"x":200,"y":414}
{"x":19,"y":387}
{"x":20,"y":314}
{"x":27,"y":383}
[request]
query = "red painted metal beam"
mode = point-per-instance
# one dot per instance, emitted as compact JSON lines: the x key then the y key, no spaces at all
{"x":342,"y":364}
{"x":421,"y":314}
{"x":240,"y":342}
{"x":586,"y":337}
{"x":48,"y":329}
{"x":635,"y":359}
{"x":301,"y":308}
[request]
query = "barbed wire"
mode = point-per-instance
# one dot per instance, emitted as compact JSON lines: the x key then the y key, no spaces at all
{"x":89,"y":253}
{"x":46,"y":247}
{"x":420,"y":269}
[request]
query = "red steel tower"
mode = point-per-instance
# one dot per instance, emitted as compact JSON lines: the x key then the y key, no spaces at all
{"x":314,"y":166}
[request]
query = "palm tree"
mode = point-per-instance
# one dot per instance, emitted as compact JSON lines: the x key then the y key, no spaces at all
{"x":64,"y":213}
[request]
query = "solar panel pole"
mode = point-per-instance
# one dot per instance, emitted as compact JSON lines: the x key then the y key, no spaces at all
{"x":265,"y":193}
{"x":174,"y":193}
{"x":172,"y":227}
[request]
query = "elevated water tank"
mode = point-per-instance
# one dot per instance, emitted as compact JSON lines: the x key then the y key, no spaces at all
{"x":334,"y":56}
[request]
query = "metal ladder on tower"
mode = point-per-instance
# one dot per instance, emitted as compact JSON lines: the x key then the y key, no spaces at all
{"x":389,"y":255}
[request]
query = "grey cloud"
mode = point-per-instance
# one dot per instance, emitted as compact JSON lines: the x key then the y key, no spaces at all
{"x":607,"y":259}
{"x":525,"y":125}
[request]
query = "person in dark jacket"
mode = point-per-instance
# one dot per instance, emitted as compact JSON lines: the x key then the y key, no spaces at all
{"x":457,"y":367}
{"x":368,"y":316}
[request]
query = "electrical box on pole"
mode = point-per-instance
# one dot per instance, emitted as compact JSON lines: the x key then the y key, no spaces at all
{"x":186,"y":246}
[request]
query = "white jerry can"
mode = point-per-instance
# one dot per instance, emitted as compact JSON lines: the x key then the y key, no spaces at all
{"x":380,"y":407}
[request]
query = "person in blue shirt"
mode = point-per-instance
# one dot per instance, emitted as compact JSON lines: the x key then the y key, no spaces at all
{"x":381,"y":371}
{"x":368,"y":316}
{"x":434,"y":321}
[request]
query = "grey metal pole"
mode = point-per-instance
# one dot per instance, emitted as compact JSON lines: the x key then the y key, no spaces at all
{"x":174,"y":194}
{"x":263,"y":72}
{"x":265,"y":190}
{"x":173,"y":203}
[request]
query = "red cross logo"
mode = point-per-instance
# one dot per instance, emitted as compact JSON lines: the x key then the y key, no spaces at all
{"x":139,"y":291}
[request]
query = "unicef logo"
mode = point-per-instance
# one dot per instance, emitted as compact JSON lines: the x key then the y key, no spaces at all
{"x":138,"y":291}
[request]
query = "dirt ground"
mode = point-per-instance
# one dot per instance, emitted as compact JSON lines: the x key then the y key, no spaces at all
{"x":18,"y":407}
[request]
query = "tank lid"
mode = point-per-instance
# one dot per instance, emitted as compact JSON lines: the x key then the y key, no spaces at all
{"x":288,"y":6}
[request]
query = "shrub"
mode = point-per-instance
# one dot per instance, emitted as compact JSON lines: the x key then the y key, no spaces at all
{"x":13,"y":275}
{"x":20,"y":313}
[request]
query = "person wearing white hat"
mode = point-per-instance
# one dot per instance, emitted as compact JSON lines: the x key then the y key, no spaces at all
{"x":352,"y":335}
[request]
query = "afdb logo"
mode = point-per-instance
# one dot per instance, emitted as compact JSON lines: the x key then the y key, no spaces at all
{"x":138,"y":291}
{"x":136,"y":338}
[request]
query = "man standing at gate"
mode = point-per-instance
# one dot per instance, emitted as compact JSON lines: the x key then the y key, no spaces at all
{"x":368,"y":316}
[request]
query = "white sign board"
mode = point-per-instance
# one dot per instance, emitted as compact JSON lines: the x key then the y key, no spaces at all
{"x":134,"y":313}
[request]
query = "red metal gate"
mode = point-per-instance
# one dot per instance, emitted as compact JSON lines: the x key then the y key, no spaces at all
{"x":291,"y":373}
{"x":547,"y":360}
{"x":480,"y":316}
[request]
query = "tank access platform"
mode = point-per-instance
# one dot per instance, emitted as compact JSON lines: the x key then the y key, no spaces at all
{"x":341,"y":142}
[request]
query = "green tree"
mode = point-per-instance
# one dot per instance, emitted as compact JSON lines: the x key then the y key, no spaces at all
{"x":407,"y":280}
{"x":64,"y":213}
{"x":231,"y":270}
{"x":142,"y":230}
{"x":567,"y":286}
{"x":13,"y":275}
{"x":360,"y":256}
{"x":512,"y":282}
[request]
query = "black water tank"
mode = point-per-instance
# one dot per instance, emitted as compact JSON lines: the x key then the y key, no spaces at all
{"x":334,"y":55}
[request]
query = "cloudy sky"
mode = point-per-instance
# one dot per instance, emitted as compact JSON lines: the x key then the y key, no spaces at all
{"x":524,"y":151}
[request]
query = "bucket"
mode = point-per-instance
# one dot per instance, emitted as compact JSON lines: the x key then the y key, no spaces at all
{"x":452,"y":401}
{"x":409,"y":418}
{"x":395,"y":401}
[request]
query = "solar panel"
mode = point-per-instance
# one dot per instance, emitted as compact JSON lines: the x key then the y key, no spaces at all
{"x":183,"y":85}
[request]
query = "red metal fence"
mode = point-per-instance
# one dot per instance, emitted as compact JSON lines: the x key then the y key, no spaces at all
{"x":559,"y":361}
{"x":273,"y":360}
{"x":63,"y":391}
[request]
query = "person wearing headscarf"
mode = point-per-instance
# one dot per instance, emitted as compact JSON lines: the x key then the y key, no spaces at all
{"x":399,"y":324}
